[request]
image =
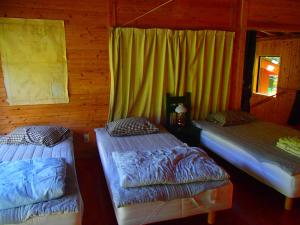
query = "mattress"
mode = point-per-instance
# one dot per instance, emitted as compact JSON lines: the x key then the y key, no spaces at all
{"x":240,"y":145}
{"x":66,"y":210}
{"x":213,"y":199}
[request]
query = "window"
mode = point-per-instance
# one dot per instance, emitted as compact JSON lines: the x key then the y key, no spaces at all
{"x":267,"y":75}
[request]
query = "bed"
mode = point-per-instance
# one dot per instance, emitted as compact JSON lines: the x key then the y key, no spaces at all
{"x":251,"y":147}
{"x":214,"y":197}
{"x":66,"y":210}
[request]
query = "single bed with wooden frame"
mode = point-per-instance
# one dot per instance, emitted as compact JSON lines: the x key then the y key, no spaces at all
{"x":251,"y":147}
{"x":66,"y":210}
{"x":208,"y":201}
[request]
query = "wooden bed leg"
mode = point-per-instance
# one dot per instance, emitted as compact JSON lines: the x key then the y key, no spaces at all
{"x":211,"y":217}
{"x":288,"y":203}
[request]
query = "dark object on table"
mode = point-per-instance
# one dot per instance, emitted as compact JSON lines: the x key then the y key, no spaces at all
{"x":178,"y":119}
{"x":181,"y":104}
{"x":294,"y":118}
{"x":188,"y":134}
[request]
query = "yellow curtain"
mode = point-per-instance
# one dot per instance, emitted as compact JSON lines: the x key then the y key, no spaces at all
{"x":33,"y":55}
{"x":145,"y":64}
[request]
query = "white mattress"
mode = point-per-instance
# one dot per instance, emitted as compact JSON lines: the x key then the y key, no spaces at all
{"x":142,"y":213}
{"x":62,"y":150}
{"x":268,"y":173}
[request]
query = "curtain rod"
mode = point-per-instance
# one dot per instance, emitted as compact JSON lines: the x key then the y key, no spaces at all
{"x":148,"y":12}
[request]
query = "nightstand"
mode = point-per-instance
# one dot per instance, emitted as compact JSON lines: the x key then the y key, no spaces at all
{"x":188,"y":134}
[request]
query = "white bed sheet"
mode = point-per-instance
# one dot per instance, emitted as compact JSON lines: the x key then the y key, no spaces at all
{"x":62,"y":150}
{"x":267,"y":173}
{"x":211,"y":200}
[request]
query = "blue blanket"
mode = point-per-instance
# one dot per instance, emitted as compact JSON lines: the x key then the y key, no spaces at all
{"x":30,"y":181}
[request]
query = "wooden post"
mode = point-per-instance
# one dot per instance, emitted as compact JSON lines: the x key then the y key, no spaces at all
{"x":211,"y":217}
{"x":112,"y":14}
{"x":288,"y":203}
{"x":236,"y":82}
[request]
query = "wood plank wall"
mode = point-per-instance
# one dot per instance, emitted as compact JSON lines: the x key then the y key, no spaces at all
{"x":87,"y":57}
{"x":86,"y":23}
{"x":278,"y":109}
{"x":277,"y":15}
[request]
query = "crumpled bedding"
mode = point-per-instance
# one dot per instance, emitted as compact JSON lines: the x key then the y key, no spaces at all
{"x":164,"y":192}
{"x":70,"y":202}
{"x":176,"y":165}
{"x":24,"y":182}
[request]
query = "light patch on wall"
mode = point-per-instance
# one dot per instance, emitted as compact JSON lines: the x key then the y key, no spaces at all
{"x":33,"y":56}
{"x":270,"y":68}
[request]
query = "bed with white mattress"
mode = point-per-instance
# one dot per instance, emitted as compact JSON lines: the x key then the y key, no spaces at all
{"x":66,"y":210}
{"x":252,"y":148}
{"x":207,"y":197}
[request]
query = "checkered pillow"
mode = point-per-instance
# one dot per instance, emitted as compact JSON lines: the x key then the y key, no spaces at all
{"x":46,"y":135}
{"x":40,"y":135}
{"x":130,"y":126}
{"x":15,"y":137}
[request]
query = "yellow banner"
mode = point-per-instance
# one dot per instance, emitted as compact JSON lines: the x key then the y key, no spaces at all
{"x":33,"y":56}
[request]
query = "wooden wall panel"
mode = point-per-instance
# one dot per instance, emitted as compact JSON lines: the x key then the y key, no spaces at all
{"x":87,"y":57}
{"x":86,"y":23}
{"x":178,"y":14}
{"x":274,"y":15}
{"x":278,"y":109}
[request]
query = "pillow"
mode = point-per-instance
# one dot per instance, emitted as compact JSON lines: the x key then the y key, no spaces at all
{"x":15,"y":137}
{"x":41,"y":135}
{"x":229,"y":118}
{"x":130,"y":126}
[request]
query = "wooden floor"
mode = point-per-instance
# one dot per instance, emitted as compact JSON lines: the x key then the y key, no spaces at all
{"x":253,"y":202}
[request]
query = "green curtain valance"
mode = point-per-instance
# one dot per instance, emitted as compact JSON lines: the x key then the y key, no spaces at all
{"x":145,"y":64}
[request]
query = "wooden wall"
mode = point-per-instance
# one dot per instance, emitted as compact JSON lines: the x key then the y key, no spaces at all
{"x":87,"y":56}
{"x":277,"y":15}
{"x":86,"y":23}
{"x":277,"y":109}
{"x":185,"y":14}
{"x":280,"y":15}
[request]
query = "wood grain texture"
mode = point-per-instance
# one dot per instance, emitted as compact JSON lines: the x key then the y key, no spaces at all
{"x":86,"y":23}
{"x":277,"y":109}
{"x":87,"y":58}
{"x":269,"y":15}
{"x":238,"y":55}
{"x":200,"y":14}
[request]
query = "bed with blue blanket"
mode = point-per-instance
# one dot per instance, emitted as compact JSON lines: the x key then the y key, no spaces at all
{"x":138,"y":171}
{"x":38,"y":185}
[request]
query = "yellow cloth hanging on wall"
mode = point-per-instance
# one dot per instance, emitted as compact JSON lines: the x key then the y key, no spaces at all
{"x":145,"y":64}
{"x":33,"y":56}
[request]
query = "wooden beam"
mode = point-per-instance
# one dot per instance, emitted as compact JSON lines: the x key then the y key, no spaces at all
{"x":288,"y":204}
{"x":112,"y":14}
{"x":283,"y":37}
{"x":238,"y":56}
{"x":274,"y":27}
{"x":211,"y":218}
